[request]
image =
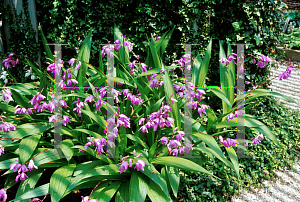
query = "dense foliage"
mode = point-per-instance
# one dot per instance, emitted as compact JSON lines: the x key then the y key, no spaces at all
{"x":132,"y":150}
{"x":238,"y":21}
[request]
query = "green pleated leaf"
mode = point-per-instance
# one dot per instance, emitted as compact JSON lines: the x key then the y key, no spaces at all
{"x":204,"y":66}
{"x":25,"y":130}
{"x":27,"y":147}
{"x":138,"y":186}
{"x":46,"y":156}
{"x":138,"y":140}
{"x":263,"y":92}
{"x":98,"y":119}
{"x":223,"y":78}
{"x":23,"y":89}
{"x":105,"y":171}
{"x":251,"y":122}
{"x":231,"y":77}
{"x":89,"y":132}
{"x":174,"y":179}
{"x":59,"y":182}
{"x":234,"y":159}
{"x":45,"y":44}
{"x":29,"y":184}
{"x":120,"y":80}
{"x":106,"y":194}
{"x":155,"y":193}
{"x":6,"y":163}
{"x":39,"y":191}
{"x":165,"y":40}
{"x":20,"y":99}
{"x":215,"y":149}
{"x":156,"y":177}
{"x":155,"y":57}
{"x":123,"y":192}
{"x":196,"y":76}
{"x":84,"y":57}
{"x":83,"y":167}
{"x":67,"y":145}
{"x":220,"y":94}
{"x":169,"y":90}
{"x":82,"y":95}
{"x":7,"y":108}
{"x":181,"y":163}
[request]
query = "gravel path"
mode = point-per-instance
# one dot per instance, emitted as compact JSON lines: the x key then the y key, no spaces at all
{"x":287,"y":188}
{"x":289,"y":87}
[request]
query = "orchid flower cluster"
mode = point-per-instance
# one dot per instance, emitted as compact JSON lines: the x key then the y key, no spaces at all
{"x":154,"y":82}
{"x":6,"y":127}
{"x":134,"y":100}
{"x":236,"y":114}
{"x":140,"y":164}
{"x":1,"y":150}
{"x":9,"y":61}
{"x":160,"y":118}
{"x":22,"y":169}
{"x":287,"y":72}
{"x":181,"y":62}
{"x":3,"y":195}
{"x":228,"y":142}
{"x":174,"y":146}
{"x":121,"y":120}
{"x":192,"y":104}
{"x":109,"y":49}
{"x":7,"y":96}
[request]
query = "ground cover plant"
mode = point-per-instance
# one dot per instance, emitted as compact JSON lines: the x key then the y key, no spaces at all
{"x":131,"y":151}
{"x":284,"y":122}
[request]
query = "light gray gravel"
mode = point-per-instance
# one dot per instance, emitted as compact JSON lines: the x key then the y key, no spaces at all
{"x":289,"y":87}
{"x":286,"y":189}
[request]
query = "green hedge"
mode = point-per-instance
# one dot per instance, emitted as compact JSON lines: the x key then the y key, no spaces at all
{"x":237,"y":21}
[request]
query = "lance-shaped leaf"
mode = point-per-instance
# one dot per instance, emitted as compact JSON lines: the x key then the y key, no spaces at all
{"x":29,"y":183}
{"x":174,"y":179}
{"x":234,"y":159}
{"x":25,"y":130}
{"x":169,"y":90}
{"x":59,"y":182}
{"x":216,"y":150}
{"x":138,"y":186}
{"x":105,"y":194}
{"x":156,"y":194}
{"x":180,"y":163}
{"x":220,"y":94}
{"x":39,"y":191}
{"x":27,"y":147}
{"x":84,"y":57}
{"x":98,"y":119}
{"x":204,"y":66}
